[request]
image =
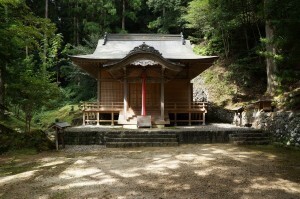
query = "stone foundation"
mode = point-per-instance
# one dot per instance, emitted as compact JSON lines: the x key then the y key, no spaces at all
{"x":216,"y":114}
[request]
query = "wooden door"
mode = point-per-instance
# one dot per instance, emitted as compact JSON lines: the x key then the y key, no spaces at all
{"x":152,"y":95}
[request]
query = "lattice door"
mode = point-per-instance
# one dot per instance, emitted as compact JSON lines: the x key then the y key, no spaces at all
{"x":152,"y":96}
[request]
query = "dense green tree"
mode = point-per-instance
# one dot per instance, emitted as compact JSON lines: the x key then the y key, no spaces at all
{"x":129,"y":10}
{"x":282,"y":44}
{"x":168,"y":14}
{"x":24,"y":58}
{"x":19,"y":30}
{"x":32,"y":89}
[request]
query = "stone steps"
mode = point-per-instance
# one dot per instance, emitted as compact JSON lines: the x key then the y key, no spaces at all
{"x":261,"y":142}
{"x":250,"y":138}
{"x":163,"y":137}
{"x":140,"y":144}
{"x":141,"y":139}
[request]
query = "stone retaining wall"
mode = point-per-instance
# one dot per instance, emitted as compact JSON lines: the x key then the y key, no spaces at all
{"x":284,"y":126}
{"x":216,"y":114}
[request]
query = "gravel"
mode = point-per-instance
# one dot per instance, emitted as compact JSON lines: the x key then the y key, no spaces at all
{"x":187,"y":171}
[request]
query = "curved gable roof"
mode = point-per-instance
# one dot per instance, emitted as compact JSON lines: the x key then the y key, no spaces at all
{"x":115,"y":49}
{"x":117,"y":46}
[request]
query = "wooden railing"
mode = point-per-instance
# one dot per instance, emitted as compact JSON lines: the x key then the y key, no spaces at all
{"x":195,"y":110}
{"x":185,"y":107}
{"x":101,"y":106}
{"x":92,"y":111}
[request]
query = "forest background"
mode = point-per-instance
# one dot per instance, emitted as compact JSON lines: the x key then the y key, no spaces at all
{"x":257,"y":42}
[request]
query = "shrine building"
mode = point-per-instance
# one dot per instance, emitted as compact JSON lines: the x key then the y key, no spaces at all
{"x":144,"y":80}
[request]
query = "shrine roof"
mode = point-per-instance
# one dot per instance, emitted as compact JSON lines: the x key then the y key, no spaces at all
{"x":117,"y":46}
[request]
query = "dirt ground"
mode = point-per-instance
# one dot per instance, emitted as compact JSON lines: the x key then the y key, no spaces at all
{"x":187,"y":171}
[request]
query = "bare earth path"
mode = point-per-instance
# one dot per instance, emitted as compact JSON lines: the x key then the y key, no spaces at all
{"x":188,"y":171}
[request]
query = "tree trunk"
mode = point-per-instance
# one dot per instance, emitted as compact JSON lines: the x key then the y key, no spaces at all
{"x":77,"y":28}
{"x":28,"y":122}
{"x":246,"y":39}
{"x":271,"y":51}
{"x":46,"y":9}
{"x":2,"y":92}
{"x":45,"y":41}
{"x":123,"y":15}
{"x":74,"y":30}
{"x":271,"y":65}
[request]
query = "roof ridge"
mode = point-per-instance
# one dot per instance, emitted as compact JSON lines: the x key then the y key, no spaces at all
{"x":142,"y":37}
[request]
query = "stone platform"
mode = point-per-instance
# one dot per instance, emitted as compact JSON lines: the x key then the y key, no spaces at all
{"x":114,"y":136}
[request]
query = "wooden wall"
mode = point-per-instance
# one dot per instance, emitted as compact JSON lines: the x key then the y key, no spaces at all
{"x":111,"y":89}
{"x":152,"y":95}
{"x":176,"y":90}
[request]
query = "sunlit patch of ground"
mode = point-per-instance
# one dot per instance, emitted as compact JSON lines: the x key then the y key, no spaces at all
{"x":187,"y":171}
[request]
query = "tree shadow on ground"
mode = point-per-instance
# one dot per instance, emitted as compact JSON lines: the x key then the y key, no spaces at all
{"x":188,"y":171}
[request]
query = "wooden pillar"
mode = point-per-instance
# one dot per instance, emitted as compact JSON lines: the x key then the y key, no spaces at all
{"x":162,"y":96}
{"x":99,"y":85}
{"x":112,"y":119}
{"x":56,"y":139}
{"x":189,"y":101}
{"x":83,"y":118}
{"x":125,"y":94}
{"x":203,"y":121}
{"x":98,"y":118}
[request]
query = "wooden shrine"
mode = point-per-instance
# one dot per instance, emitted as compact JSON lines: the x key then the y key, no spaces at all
{"x":144,"y":76}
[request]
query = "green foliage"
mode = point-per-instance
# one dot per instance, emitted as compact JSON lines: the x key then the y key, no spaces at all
{"x":284,"y":18}
{"x":78,"y":80}
{"x":66,"y":113}
{"x":235,"y":30}
{"x":233,"y":24}
{"x":32,"y":89}
{"x":217,"y":81}
{"x":168,"y":15}
{"x":289,"y":100}
{"x":245,"y":70}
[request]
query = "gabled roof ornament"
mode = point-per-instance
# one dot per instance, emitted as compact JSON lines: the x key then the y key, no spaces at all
{"x":144,"y":48}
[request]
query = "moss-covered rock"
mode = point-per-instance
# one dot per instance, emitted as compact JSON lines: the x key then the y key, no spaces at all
{"x":12,"y":140}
